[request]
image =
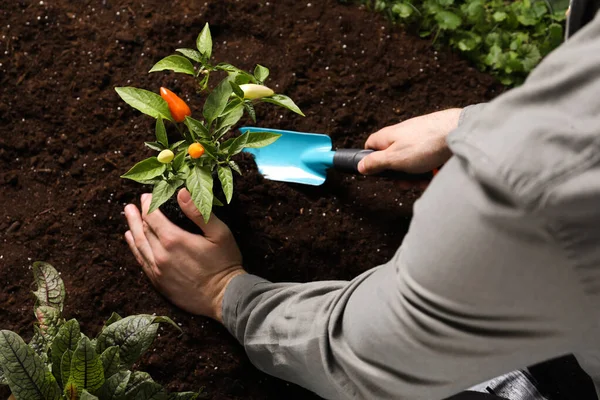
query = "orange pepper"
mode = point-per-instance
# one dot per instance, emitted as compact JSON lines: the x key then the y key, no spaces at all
{"x":195,"y":150}
{"x":179,"y":109}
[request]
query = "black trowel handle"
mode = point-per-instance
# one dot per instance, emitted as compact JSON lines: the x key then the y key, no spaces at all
{"x":347,"y":160}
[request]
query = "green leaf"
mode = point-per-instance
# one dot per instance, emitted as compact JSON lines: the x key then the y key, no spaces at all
{"x":111,"y":361}
{"x":261,"y":74}
{"x":204,"y":42}
{"x":65,"y":366}
{"x":67,"y":338}
{"x":154,"y":146}
{"x":217,"y":101}
{"x":233,"y":165}
{"x":175,"y":63}
{"x":115,"y":386}
{"x":448,"y":20}
{"x":162,"y":192}
{"x":237,"y":90}
{"x":499,"y":16}
{"x":530,"y":56}
{"x":27,"y":376}
{"x":50,"y":287}
{"x":87,"y":371}
{"x":253,"y":140}
{"x":49,"y":320}
{"x":226,"y":178}
{"x":200,"y":184}
{"x":231,"y":118}
{"x":402,"y":10}
{"x":39,"y":344}
{"x":178,"y":146}
{"x":191,"y":54}
{"x":161,"y":132}
{"x":178,"y":161}
{"x":235,"y":74}
{"x":145,"y":170}
{"x":283,"y":101}
{"x":249,"y":107}
{"x":133,"y":334}
{"x":85,"y":395}
{"x":136,"y":380}
{"x":217,"y":202}
{"x":145,"y":101}
{"x":197,"y":128}
{"x":150,"y":391}
{"x":114,"y":317}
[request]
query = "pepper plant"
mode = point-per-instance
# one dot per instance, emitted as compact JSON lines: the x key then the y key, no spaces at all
{"x":62,"y":363}
{"x":202,"y":150}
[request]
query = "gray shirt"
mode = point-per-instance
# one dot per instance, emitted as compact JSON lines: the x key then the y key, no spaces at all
{"x":500,"y":268}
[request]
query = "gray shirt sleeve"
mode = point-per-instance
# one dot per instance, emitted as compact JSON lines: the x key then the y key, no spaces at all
{"x":500,"y":268}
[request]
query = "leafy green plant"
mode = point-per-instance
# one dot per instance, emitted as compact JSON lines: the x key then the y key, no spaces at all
{"x":224,"y":106}
{"x":60,"y":362}
{"x":507,"y":38}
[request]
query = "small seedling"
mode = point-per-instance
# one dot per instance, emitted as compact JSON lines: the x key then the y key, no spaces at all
{"x":61,"y":363}
{"x":202,"y":150}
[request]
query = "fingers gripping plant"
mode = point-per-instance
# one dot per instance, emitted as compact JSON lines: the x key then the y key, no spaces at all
{"x":60,"y":362}
{"x":202,"y":150}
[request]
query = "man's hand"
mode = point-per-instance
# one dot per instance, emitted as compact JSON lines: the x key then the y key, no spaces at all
{"x":417,"y":145}
{"x":192,"y":271}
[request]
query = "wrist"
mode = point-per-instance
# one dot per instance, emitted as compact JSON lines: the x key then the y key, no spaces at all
{"x":219,"y":285}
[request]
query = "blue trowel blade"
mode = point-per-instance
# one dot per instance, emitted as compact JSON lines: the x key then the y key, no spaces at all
{"x":295,"y":157}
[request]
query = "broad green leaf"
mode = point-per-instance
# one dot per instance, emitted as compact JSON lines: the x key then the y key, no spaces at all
{"x":145,"y":170}
{"x":178,"y":146}
{"x":226,"y":178}
{"x":49,"y":321}
{"x":150,"y":391}
{"x":402,"y":10}
{"x":217,"y":202}
{"x":111,"y":361}
{"x":200,"y":184}
{"x":115,"y":386}
{"x":261,"y":73}
{"x":448,"y":20}
{"x":235,"y":167}
{"x":446,"y":3}
{"x":24,"y":371}
{"x":65,"y":366}
{"x":162,"y":192}
{"x":253,"y":140}
{"x":204,"y":42}
{"x":114,"y":317}
{"x":85,"y":395}
{"x":528,"y":18}
{"x":71,"y":391}
{"x":145,"y":101}
{"x":191,"y":54}
{"x":67,"y":338}
{"x":3,"y":380}
{"x":283,"y":101}
{"x":50,"y":287}
{"x":154,"y":146}
{"x":174,"y":63}
{"x":136,"y":380}
{"x":87,"y":371}
{"x":183,"y":396}
{"x":197,"y":128}
{"x":161,"y":132}
{"x":178,"y":161}
{"x":217,"y":101}
{"x":133,"y":335}
{"x":530,"y":56}
{"x":209,"y":149}
{"x":231,"y":118}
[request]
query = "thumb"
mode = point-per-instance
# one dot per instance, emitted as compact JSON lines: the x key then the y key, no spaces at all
{"x":374,"y":163}
{"x":213,"y":230}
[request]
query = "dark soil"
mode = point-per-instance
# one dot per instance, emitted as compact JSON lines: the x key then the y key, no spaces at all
{"x":66,"y":138}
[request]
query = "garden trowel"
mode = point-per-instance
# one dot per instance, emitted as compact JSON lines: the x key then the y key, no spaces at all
{"x":304,"y":157}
